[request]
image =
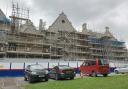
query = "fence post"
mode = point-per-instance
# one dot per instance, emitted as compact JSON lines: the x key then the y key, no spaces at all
{"x":58,"y":63}
{"x":77,"y":70}
{"x":68,"y":63}
{"x":48,"y":65}
{"x":77,"y":64}
{"x":10,"y":65}
{"x":24,"y":65}
{"x":36,"y":62}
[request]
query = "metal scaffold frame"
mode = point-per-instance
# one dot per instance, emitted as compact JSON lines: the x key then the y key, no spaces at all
{"x":54,"y":44}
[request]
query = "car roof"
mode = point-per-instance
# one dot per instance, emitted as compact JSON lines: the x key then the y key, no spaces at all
{"x":34,"y":65}
{"x":63,"y":66}
{"x":89,"y":60}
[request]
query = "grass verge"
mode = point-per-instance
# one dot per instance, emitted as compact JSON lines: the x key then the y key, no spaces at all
{"x":110,"y":82}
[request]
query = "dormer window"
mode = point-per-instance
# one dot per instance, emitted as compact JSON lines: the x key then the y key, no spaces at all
{"x":63,"y":21}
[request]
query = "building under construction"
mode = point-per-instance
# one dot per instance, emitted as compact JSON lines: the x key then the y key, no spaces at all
{"x":19,"y":38}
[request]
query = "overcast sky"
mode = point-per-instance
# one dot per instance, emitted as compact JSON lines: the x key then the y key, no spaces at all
{"x":96,"y":13}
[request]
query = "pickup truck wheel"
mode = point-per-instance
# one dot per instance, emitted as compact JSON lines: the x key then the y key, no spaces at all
{"x":105,"y":75}
{"x":94,"y":74}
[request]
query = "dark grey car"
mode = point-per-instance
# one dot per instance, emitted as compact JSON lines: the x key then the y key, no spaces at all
{"x":62,"y":71}
{"x":35,"y":72}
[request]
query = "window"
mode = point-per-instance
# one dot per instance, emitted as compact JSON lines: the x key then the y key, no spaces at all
{"x":89,"y":63}
{"x":103,"y":62}
{"x":85,"y":64}
{"x":36,"y":67}
{"x":63,"y":21}
{"x":93,"y":63}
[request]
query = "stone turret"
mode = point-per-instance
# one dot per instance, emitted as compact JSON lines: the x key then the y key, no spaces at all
{"x":107,"y":28}
{"x":84,"y":28}
{"x":107,"y":32}
{"x":42,"y":25}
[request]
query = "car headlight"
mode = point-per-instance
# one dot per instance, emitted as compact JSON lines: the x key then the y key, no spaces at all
{"x":61,"y":73}
{"x":46,"y":72}
{"x":33,"y":72}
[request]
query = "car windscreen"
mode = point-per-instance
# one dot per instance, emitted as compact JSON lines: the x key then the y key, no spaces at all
{"x":36,"y":67}
{"x":103,"y":62}
{"x":64,"y":67}
{"x":123,"y":66}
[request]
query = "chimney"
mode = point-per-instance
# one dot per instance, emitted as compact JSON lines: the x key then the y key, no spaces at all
{"x":84,"y":26}
{"x":40,"y":24}
{"x":107,"y":28}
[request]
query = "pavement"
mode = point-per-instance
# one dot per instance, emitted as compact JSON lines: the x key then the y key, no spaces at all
{"x":18,"y":82}
{"x":12,"y":83}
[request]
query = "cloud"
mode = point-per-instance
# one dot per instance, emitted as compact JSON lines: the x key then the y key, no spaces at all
{"x":116,"y":19}
{"x":97,"y":13}
{"x":78,"y":11}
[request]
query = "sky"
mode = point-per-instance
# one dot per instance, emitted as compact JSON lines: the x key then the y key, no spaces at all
{"x":96,"y":13}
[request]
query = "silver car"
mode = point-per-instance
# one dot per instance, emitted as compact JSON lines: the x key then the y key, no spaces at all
{"x":123,"y":69}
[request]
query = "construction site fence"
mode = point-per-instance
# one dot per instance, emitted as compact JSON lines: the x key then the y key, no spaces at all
{"x":16,"y":69}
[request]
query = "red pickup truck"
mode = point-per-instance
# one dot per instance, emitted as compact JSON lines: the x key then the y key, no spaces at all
{"x":95,"y":67}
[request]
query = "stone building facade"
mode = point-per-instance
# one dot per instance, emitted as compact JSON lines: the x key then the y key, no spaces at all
{"x":60,"y":41}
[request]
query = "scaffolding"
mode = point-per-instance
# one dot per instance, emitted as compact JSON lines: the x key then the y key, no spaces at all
{"x":18,"y":16}
{"x":107,"y":48}
{"x":57,"y":44}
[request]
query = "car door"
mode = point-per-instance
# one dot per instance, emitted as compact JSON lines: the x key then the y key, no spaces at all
{"x":125,"y":69}
{"x":27,"y":71}
{"x":52,"y":73}
{"x":84,"y":68}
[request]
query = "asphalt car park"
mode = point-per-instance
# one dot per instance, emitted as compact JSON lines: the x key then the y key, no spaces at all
{"x":17,"y":82}
{"x":12,"y":83}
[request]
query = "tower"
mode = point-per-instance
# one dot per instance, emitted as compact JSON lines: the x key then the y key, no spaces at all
{"x":84,"y":28}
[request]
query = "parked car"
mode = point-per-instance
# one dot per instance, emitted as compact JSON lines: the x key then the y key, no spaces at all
{"x":62,"y":71}
{"x":123,"y":69}
{"x":35,"y":72}
{"x":94,"y":67}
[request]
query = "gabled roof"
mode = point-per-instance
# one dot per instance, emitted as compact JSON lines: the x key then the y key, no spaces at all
{"x":2,"y":15}
{"x":3,"y":18}
{"x":95,"y":34}
{"x":84,"y":29}
{"x":62,"y":24}
{"x":108,"y":33}
{"x":28,"y":27}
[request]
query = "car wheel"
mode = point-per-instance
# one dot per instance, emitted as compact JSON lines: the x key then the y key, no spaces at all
{"x":71,"y":78}
{"x":90,"y":75}
{"x":30,"y":79}
{"x":56,"y":77}
{"x":105,"y":75}
{"x":25,"y":79}
{"x":46,"y":78}
{"x":94,"y":74}
{"x":116,"y":71}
